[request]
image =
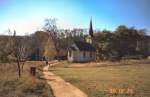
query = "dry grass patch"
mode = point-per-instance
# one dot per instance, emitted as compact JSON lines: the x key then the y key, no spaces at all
{"x":26,"y":86}
{"x":97,"y":81}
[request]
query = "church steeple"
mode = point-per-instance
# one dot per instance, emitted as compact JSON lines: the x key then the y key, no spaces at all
{"x":89,"y":38}
{"x":91,"y":29}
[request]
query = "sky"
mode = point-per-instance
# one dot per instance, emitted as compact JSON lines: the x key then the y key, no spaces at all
{"x":27,"y":16}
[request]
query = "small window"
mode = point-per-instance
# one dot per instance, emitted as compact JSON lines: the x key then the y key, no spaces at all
{"x":84,"y":54}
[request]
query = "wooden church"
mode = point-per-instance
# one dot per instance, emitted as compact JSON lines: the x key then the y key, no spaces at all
{"x":83,"y":51}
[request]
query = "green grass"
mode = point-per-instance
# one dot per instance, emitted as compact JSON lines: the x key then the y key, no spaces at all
{"x":97,"y":81}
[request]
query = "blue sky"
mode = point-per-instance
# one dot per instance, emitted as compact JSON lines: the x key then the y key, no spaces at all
{"x":27,"y":16}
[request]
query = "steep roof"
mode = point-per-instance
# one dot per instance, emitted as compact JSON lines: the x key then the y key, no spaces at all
{"x":83,"y":46}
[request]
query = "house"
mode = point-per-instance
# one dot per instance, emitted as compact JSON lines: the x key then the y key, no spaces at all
{"x":81,"y":51}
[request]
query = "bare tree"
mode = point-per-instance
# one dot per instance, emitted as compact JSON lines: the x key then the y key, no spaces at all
{"x":6,"y":44}
{"x":51,"y":27}
{"x":20,"y":51}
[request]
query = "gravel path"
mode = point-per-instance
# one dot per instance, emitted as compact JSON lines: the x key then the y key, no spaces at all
{"x":60,"y":87}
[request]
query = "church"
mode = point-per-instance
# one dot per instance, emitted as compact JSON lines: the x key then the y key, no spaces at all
{"x":83,"y":51}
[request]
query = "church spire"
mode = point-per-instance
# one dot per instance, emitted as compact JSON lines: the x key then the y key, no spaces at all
{"x":89,"y":38}
{"x":91,"y":29}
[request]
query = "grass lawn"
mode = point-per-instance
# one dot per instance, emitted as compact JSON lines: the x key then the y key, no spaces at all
{"x":26,"y":86}
{"x":110,"y":81}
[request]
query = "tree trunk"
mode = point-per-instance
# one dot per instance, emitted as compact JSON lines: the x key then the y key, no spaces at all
{"x":19,"y":69}
{"x":22,"y":66}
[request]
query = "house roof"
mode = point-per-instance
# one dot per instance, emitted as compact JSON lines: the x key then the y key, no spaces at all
{"x":83,"y":46}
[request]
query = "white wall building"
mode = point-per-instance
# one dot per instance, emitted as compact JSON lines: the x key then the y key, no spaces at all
{"x":81,"y":52}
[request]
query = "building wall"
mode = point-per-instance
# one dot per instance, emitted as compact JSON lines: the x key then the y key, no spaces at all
{"x":81,"y":56}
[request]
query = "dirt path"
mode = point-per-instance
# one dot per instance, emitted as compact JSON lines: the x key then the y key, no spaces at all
{"x":60,"y":87}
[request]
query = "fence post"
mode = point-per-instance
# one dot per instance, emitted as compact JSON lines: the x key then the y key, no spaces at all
{"x":33,"y":71}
